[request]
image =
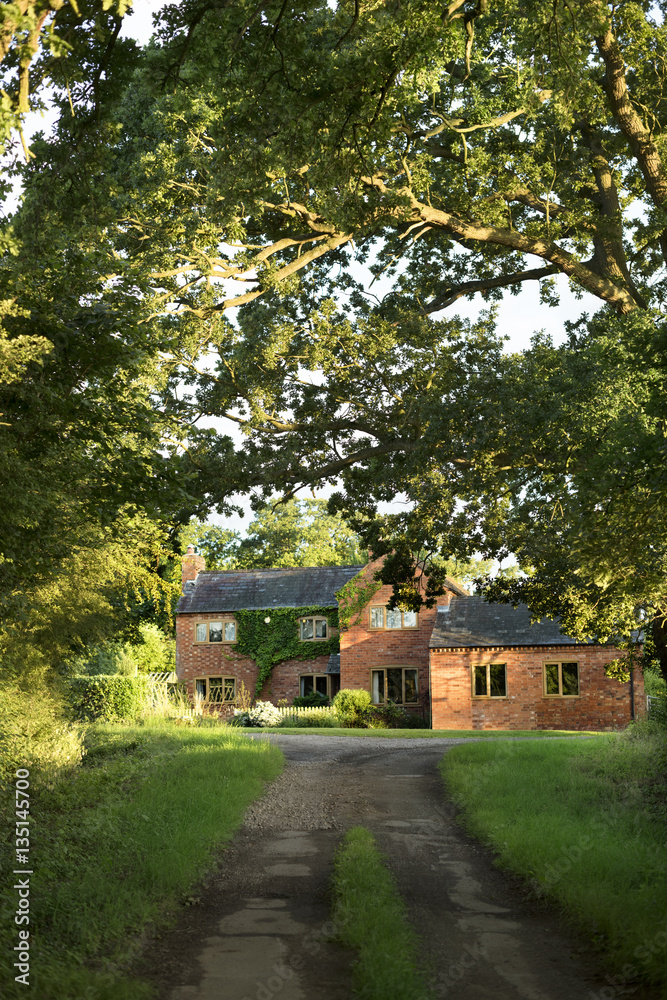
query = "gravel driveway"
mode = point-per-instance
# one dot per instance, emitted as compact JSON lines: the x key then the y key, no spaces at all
{"x":260,"y":927}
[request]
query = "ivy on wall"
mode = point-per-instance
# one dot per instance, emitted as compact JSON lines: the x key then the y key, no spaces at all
{"x":353,"y":597}
{"x":272,"y":642}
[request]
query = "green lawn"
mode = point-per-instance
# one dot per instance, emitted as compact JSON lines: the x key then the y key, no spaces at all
{"x":370,"y":917}
{"x":585,"y":823}
{"x":118,"y":843}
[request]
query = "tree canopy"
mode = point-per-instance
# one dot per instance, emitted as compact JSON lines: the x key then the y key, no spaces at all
{"x":454,"y":151}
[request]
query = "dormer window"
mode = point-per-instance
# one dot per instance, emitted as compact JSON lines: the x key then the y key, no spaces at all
{"x":313,"y":629}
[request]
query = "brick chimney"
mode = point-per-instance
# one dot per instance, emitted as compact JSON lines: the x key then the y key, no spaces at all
{"x":193,"y":564}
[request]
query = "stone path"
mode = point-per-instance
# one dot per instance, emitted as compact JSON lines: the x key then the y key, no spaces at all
{"x":260,"y":928}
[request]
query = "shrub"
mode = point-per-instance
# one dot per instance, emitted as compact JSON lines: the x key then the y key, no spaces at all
{"x":351,"y":705}
{"x":112,"y":658}
{"x":314,"y":720}
{"x":34,"y":732}
{"x":313,"y":700}
{"x":156,"y":653}
{"x":111,"y":698}
{"x":264,"y":714}
{"x":239,"y":720}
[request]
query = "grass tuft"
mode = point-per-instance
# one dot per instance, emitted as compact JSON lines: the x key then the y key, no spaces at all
{"x":370,"y":917}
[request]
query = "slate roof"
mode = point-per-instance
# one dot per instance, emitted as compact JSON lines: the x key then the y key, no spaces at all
{"x":472,"y":621}
{"x":259,"y":589}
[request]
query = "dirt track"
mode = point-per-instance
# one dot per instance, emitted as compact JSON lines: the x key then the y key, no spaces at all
{"x":259,"y":928}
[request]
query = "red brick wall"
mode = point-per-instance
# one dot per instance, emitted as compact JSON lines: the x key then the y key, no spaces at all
{"x":602,"y":703}
{"x":362,"y":648}
{"x":217,"y":659}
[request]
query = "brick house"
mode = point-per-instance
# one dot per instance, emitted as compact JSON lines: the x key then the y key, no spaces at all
{"x":466,"y":663}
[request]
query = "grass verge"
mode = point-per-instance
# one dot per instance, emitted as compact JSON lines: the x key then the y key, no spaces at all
{"x":117,"y":843}
{"x":370,"y":917}
{"x":584,"y":822}
{"x":422,"y":734}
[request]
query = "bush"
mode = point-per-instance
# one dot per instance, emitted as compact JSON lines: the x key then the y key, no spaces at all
{"x":393,"y":717}
{"x":156,"y":653}
{"x":239,"y":720}
{"x":111,"y":698}
{"x":313,"y":700}
{"x":112,"y":658}
{"x":351,"y":706}
{"x":34,"y":732}
{"x":314,"y":720}
{"x":264,"y":714}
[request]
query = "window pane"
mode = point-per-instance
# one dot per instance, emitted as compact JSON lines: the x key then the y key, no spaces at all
{"x":215,"y":632}
{"x":570,"y":678}
{"x":320,"y":629}
{"x":498,"y":675}
{"x":215,"y":689}
{"x":230,"y":631}
{"x":200,"y":633}
{"x":321,"y":685}
{"x":307,"y":628}
{"x":230,"y":689}
{"x":551,"y":674}
{"x":377,"y":687}
{"x":393,"y":618}
{"x":395,"y":685}
{"x":479,"y":680}
{"x":200,"y":687}
{"x":411,"y":695}
{"x":409,"y":619}
{"x":377,"y":617}
{"x":306,"y":685}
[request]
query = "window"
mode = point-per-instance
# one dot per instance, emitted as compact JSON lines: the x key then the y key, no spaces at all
{"x":397,"y":684}
{"x":215,"y":631}
{"x":561,"y":679}
{"x":216,"y":689}
{"x":314,"y":684}
{"x":392,"y":618}
{"x":489,"y":681}
{"x":313,"y":629}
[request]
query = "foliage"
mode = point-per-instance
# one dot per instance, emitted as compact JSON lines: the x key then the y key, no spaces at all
{"x":313,"y":700}
{"x":264,"y":714}
{"x":370,"y":917}
{"x":109,"y":698}
{"x":294,"y":533}
{"x":112,"y":658}
{"x":654,"y":683}
{"x":351,"y":706}
{"x":278,"y":639}
{"x":324,"y":719}
{"x":353,"y":598}
{"x":156,"y":653}
{"x":35,"y":732}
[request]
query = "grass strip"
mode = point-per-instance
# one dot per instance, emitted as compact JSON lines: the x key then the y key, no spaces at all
{"x":370,"y":917}
{"x":118,"y":843}
{"x":584,"y":822}
{"x":425,"y":734}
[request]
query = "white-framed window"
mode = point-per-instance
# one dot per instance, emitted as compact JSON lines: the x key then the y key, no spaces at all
{"x":561,"y":680}
{"x":397,"y":684}
{"x":216,"y":690}
{"x":315,"y":683}
{"x":489,"y":680}
{"x":222,"y":631}
{"x":381,"y":617}
{"x":313,"y":629}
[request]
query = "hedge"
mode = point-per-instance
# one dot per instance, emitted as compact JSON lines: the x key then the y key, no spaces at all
{"x":110,"y":697}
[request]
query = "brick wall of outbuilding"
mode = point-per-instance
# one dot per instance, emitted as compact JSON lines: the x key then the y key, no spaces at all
{"x":602,"y":704}
{"x":217,"y":659}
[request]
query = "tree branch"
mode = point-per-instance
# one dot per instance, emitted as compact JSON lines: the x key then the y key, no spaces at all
{"x":468,"y":287}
